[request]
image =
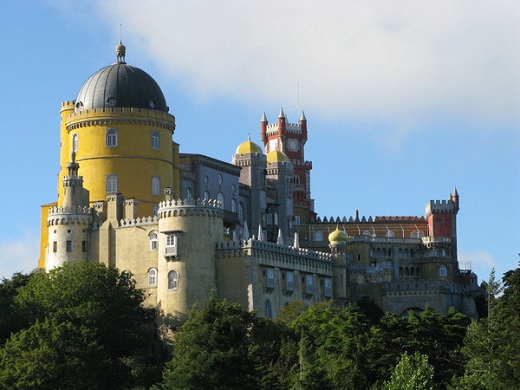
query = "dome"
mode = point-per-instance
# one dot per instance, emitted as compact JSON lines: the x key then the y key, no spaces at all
{"x":338,"y":236}
{"x":248,"y":147}
{"x":277,"y":156}
{"x":120,"y":85}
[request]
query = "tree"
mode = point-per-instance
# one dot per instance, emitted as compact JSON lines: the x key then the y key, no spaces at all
{"x":10,"y":319}
{"x":492,"y":346}
{"x":86,"y":328}
{"x":413,"y":372}
{"x":222,"y":346}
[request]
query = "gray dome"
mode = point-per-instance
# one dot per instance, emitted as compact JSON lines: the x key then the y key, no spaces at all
{"x":120,"y":85}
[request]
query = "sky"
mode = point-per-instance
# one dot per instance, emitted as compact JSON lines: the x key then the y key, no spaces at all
{"x":405,"y":100}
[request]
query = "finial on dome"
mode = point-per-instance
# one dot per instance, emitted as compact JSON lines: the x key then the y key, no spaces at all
{"x":120,"y":49}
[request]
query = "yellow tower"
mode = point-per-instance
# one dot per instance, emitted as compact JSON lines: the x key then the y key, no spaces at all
{"x":121,"y":133}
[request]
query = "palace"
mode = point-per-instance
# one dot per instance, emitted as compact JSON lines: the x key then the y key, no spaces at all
{"x":188,"y":225}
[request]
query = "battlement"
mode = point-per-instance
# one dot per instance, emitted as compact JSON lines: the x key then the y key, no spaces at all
{"x":377,"y":219}
{"x":80,"y":210}
{"x":440,"y":206}
{"x":143,"y":221}
{"x":294,"y":128}
{"x":179,"y":207}
{"x":271,"y":251}
{"x":120,"y":115}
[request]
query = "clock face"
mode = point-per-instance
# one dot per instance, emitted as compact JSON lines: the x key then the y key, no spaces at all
{"x":293,"y":145}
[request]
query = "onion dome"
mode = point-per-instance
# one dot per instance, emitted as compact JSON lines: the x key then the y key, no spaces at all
{"x":248,"y":147}
{"x":277,"y":156}
{"x":120,"y":85}
{"x":338,"y":235}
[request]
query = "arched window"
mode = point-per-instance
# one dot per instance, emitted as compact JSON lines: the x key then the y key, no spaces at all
{"x":152,"y":277}
{"x":155,"y":140}
{"x":206,"y":195}
{"x":240,"y":211}
{"x":75,"y":142}
{"x":390,"y":233}
{"x":443,"y":271}
{"x":318,"y":236}
{"x":111,"y":137}
{"x":234,"y":205}
{"x":173,"y":280}
{"x":152,"y":236}
{"x":268,"y":309}
{"x":269,"y":218}
{"x":220,"y":198}
{"x":111,"y":184}
{"x":155,"y":210}
{"x":156,"y":185}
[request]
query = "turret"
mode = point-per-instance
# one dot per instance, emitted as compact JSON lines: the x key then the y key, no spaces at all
{"x":282,"y":121}
{"x":68,"y":225}
{"x":263,"y":129}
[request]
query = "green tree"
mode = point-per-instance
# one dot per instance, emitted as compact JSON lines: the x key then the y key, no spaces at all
{"x":492,"y":346}
{"x":413,"y":372}
{"x":222,"y":346}
{"x":11,"y":320}
{"x":86,"y":328}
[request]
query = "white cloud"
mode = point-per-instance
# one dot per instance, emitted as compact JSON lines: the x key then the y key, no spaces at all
{"x":375,"y":59}
{"x":19,"y":255}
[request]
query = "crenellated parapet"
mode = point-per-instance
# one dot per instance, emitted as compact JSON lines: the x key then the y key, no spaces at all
{"x":268,"y":253}
{"x":69,"y":216}
{"x":186,"y":207}
{"x":144,"y":221}
{"x":440,"y":207}
{"x":120,"y":116}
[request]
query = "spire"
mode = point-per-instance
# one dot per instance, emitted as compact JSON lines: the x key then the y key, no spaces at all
{"x":246,"y":231}
{"x":264,"y":118}
{"x":296,"y":240}
{"x":282,"y":115}
{"x":302,"y":117}
{"x":279,"y":239}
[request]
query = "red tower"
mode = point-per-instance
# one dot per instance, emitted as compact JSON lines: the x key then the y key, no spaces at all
{"x":290,"y":138}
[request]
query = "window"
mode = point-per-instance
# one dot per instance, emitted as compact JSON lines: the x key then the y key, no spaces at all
{"x":155,"y":140}
{"x":153,"y":240}
{"x":152,"y":277}
{"x":189,"y":194}
{"x":171,"y":240}
{"x":417,"y":234}
{"x":155,"y":210}
{"x":234,"y":205}
{"x":443,"y":271}
{"x":297,"y":220}
{"x":269,"y":218}
{"x":111,"y":184}
{"x":69,"y":246}
{"x":289,"y":281}
{"x":206,"y":195}
{"x":240,"y":211}
{"x":83,"y":246}
{"x":309,"y":285}
{"x":173,"y":280}
{"x":318,"y":236}
{"x":220,"y":179}
{"x":220,"y":198}
{"x":269,"y":276}
{"x":268,"y":309}
{"x":327,"y":287}
{"x":55,"y":246}
{"x":75,"y":142}
{"x":156,"y":185}
{"x":111,"y":137}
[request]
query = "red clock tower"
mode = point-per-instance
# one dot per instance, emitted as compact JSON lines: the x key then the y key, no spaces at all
{"x":290,"y":138}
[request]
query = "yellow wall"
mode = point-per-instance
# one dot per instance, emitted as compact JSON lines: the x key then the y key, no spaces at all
{"x":133,"y":160}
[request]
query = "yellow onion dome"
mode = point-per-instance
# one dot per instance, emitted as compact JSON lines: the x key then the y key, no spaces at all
{"x":338,"y":236}
{"x":277,"y":156}
{"x":248,"y":147}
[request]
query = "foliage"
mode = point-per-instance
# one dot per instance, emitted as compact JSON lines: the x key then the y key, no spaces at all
{"x":85,"y":328}
{"x":413,"y":372}
{"x":10,"y":317}
{"x":222,"y":346}
{"x":492,"y":346}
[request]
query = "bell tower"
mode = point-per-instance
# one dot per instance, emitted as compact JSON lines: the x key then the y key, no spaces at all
{"x":290,"y":138}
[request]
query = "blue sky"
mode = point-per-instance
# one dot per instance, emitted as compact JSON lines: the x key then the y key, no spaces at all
{"x":404,"y":100}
